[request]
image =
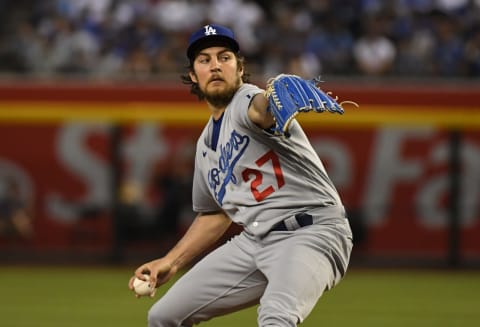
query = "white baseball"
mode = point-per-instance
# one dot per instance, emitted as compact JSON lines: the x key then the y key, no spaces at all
{"x":141,"y":287}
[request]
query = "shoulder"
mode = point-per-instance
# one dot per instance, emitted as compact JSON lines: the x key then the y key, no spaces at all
{"x":244,"y":97}
{"x":204,"y":134}
{"x":248,"y":91}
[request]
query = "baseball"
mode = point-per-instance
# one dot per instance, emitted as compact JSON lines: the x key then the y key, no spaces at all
{"x":141,"y":287}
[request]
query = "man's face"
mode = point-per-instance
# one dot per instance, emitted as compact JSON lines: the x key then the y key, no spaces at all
{"x":217,"y":74}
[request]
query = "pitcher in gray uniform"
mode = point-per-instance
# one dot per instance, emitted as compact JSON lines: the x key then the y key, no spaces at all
{"x":296,"y":239}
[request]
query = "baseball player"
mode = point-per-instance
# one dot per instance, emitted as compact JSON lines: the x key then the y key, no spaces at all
{"x":254,"y":166}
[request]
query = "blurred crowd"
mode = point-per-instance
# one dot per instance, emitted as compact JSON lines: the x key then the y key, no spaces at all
{"x":143,"y":39}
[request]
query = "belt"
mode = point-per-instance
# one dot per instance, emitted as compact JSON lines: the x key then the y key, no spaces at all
{"x":298,"y":221}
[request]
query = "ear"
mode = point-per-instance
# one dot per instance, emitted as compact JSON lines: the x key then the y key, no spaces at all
{"x":193,"y":77}
{"x":241,"y":70}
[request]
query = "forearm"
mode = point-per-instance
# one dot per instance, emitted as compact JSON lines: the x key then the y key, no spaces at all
{"x":258,"y":112}
{"x":203,"y":233}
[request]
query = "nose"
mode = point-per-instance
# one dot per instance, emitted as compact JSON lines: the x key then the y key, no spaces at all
{"x":214,"y":65}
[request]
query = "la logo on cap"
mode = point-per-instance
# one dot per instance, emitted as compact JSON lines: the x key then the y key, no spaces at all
{"x":209,"y":30}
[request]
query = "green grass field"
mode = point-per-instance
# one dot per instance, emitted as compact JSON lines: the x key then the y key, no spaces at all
{"x":98,"y":297}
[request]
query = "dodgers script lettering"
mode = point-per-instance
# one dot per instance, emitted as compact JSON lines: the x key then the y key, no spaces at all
{"x":230,"y":153}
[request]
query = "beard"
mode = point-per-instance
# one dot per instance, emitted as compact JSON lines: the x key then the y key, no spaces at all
{"x":221,"y":98}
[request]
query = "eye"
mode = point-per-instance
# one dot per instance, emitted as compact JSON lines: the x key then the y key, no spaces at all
{"x":203,"y":60}
{"x":225,"y":57}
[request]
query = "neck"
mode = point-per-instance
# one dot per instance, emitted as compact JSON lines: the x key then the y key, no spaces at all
{"x":216,"y":112}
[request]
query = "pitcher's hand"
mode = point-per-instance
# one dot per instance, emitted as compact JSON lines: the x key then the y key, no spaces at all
{"x":160,"y":271}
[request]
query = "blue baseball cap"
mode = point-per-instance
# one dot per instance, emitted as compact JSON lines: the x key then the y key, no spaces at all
{"x":209,"y":36}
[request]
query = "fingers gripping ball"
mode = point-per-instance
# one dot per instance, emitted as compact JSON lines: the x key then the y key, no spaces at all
{"x":288,"y":95}
{"x":142,"y":287}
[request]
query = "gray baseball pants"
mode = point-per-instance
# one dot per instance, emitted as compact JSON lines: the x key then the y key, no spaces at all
{"x":284,"y":272}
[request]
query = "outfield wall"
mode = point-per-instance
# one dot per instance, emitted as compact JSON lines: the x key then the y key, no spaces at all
{"x":391,"y":160}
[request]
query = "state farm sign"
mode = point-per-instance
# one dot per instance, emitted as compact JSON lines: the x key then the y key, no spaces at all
{"x":396,"y":180}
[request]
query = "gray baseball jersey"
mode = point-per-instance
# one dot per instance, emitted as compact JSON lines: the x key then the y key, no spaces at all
{"x":260,"y":179}
{"x":257,"y":178}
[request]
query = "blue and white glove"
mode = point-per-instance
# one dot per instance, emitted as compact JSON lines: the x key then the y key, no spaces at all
{"x":288,"y":95}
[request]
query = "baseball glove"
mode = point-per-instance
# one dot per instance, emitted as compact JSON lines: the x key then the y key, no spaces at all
{"x":288,"y":95}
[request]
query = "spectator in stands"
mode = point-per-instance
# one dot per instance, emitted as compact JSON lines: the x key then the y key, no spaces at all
{"x":415,"y":42}
{"x":374,"y":52}
{"x":472,"y":53}
{"x":448,"y":56}
{"x":333,"y":46}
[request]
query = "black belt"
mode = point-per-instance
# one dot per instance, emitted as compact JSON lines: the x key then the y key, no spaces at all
{"x":302,"y":219}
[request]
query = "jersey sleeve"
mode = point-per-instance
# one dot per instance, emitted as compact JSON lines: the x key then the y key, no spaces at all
{"x":202,"y":199}
{"x":242,"y":102}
